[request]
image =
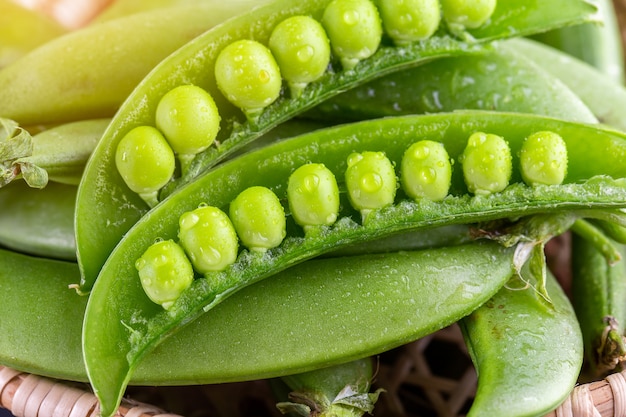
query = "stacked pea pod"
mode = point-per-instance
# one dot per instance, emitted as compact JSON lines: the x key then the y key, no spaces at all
{"x":176,"y":217}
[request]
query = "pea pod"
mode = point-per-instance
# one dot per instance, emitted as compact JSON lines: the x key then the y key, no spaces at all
{"x":38,"y":222}
{"x":527,"y":354}
{"x":265,"y":339}
{"x":67,"y":79}
{"x":599,"y":291}
{"x":501,"y":80}
{"x":599,"y":93}
{"x":62,"y":151}
{"x":193,"y":64}
{"x":133,"y":326}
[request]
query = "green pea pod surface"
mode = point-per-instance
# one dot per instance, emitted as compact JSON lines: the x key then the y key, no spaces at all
{"x":501,"y":80}
{"x":38,"y":221}
{"x":527,"y":354}
{"x":344,"y":308}
{"x":67,"y":79}
{"x":603,"y":97}
{"x":63,"y":150}
{"x":193,"y":64}
{"x":122,"y":324}
{"x":599,"y":297}
{"x":598,"y":44}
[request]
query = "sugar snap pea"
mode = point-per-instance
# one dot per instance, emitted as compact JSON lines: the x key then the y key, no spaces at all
{"x":234,"y":343}
{"x":134,"y":326}
{"x":599,"y":291}
{"x":193,"y":64}
{"x":67,"y":79}
{"x":528,"y":355}
{"x":23,"y":227}
{"x":501,"y":79}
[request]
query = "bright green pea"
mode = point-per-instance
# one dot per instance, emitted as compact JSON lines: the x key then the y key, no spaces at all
{"x":189,"y":120}
{"x":145,"y":161}
{"x":354,"y":30}
{"x":543,"y":159}
{"x":467,"y":13}
{"x":209,"y":239}
{"x":487,"y":165}
{"x":259,"y":218}
{"x":313,"y":195}
{"x":426,"y":171}
{"x":408,"y":21}
{"x":302,"y":50}
{"x":248,"y":75}
{"x":371,"y":181}
{"x":165,"y":272}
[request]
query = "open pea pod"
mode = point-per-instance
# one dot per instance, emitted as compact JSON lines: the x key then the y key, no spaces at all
{"x":108,"y":208}
{"x":527,"y":354}
{"x":121,"y":323}
{"x":414,"y":293}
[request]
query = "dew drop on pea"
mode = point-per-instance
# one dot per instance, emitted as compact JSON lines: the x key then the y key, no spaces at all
{"x":371,"y":182}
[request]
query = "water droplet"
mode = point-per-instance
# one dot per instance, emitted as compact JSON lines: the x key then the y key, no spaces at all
{"x":310,"y":183}
{"x":421,"y":152}
{"x":406,"y":19}
{"x":188,"y":220}
{"x":428,"y":175}
{"x":211,"y":255}
{"x":354,"y":158}
{"x":371,"y":182}
{"x":351,"y":17}
{"x":140,"y":264}
{"x":305,"y":53}
{"x":264,"y":76}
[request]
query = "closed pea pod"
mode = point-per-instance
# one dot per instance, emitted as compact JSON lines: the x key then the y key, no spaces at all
{"x":354,"y":29}
{"x":209,"y":239}
{"x":371,"y":181}
{"x":543,"y":159}
{"x":313,"y":196}
{"x":188,"y":118}
{"x":165,"y":272}
{"x":248,"y":75}
{"x":486,"y":163}
{"x":259,"y":218}
{"x":426,"y":171}
{"x":409,"y":20}
{"x":302,"y":51}
{"x":467,"y":13}
{"x":145,"y":161}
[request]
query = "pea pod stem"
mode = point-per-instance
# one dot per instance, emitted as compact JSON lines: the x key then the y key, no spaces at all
{"x":193,"y":64}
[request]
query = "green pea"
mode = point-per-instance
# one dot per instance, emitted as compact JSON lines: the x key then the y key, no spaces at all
{"x":301,"y":49}
{"x":408,"y":21}
{"x":145,"y":161}
{"x":486,"y":163}
{"x":371,"y":181}
{"x":259,"y":218}
{"x":189,"y":120}
{"x":426,"y":170}
{"x":313,"y":196}
{"x":209,"y":239}
{"x":354,"y":30}
{"x":543,"y":159}
{"x":248,"y":75}
{"x":467,"y":13}
{"x":165,"y":272}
